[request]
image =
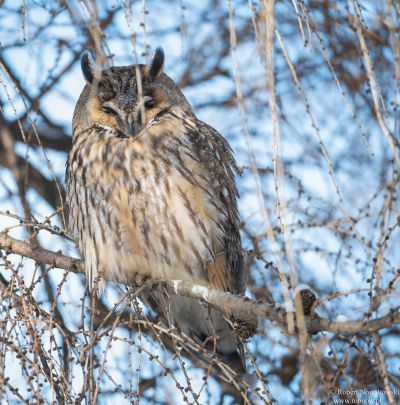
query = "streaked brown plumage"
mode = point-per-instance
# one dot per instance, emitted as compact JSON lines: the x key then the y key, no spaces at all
{"x":151,"y":192}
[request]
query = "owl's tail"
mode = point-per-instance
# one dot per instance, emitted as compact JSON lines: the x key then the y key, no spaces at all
{"x":231,"y":368}
{"x":209,"y":328}
{"x":237,"y":362}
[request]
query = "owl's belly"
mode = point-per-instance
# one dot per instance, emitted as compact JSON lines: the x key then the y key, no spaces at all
{"x":161,"y":227}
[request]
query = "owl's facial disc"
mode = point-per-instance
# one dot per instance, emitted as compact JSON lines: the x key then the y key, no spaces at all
{"x":130,"y":122}
{"x":125,"y":119}
{"x":126,"y":97}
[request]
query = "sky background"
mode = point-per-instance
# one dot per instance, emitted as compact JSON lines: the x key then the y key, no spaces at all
{"x":39,"y":45}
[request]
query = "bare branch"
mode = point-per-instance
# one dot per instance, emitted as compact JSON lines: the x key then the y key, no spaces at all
{"x":40,"y":255}
{"x":226,"y":302}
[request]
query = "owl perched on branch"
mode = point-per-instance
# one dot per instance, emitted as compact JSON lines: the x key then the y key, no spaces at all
{"x":152,"y":194}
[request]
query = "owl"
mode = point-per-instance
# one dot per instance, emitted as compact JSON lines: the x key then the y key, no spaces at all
{"x":151,"y":193}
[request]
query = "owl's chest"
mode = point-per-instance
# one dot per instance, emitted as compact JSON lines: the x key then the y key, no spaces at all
{"x":167,"y":217}
{"x":148,"y":211}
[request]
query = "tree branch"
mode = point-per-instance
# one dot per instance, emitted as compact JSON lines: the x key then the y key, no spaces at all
{"x":40,"y":255}
{"x":221,"y":300}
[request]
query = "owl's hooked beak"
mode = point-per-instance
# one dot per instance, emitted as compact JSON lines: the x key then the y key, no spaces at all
{"x":126,"y":120}
{"x":131,"y":126}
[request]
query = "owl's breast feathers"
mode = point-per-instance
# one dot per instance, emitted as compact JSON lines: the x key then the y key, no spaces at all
{"x":161,"y":205}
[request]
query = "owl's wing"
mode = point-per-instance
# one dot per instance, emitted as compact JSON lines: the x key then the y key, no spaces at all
{"x":225,"y":271}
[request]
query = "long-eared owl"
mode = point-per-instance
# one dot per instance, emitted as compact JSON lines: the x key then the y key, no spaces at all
{"x":151,"y":193}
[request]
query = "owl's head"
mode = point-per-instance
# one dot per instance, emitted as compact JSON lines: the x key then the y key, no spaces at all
{"x":126,"y":97}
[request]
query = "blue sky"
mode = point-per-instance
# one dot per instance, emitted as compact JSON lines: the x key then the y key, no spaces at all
{"x":34,"y":60}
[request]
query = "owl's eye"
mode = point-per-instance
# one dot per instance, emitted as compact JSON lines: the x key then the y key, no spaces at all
{"x":109,"y":110}
{"x":149,"y":103}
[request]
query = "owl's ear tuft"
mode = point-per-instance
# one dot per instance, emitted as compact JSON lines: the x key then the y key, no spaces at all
{"x":88,"y":66}
{"x":155,"y":68}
